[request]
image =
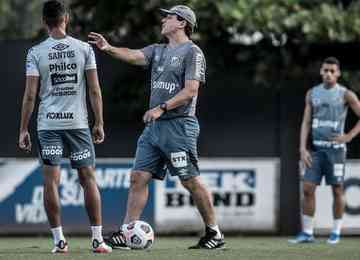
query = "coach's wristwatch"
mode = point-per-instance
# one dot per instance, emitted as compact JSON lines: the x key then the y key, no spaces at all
{"x":163,"y":106}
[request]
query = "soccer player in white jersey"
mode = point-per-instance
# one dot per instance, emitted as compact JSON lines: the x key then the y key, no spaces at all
{"x":61,"y":65}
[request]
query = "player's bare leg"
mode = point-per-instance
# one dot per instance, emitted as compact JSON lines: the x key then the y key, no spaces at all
{"x":306,"y":236}
{"x":137,"y":196}
{"x":339,"y":203}
{"x":338,"y":212}
{"x":202,"y":199}
{"x":93,"y":207}
{"x":309,"y":189}
{"x":91,"y":195}
{"x":51,"y":194}
{"x":52,"y":206}
{"x":213,"y":238}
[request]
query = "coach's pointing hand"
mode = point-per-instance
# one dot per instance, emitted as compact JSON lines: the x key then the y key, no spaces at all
{"x":99,"y":41}
{"x":152,"y":114}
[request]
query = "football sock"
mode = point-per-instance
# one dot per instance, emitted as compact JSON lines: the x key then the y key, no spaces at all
{"x":57,"y":234}
{"x":97,"y":233}
{"x":337,"y":226}
{"x":308,"y":224}
{"x":217,"y":229}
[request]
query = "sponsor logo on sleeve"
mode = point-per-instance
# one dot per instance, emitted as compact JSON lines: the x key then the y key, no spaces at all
{"x":199,"y":66}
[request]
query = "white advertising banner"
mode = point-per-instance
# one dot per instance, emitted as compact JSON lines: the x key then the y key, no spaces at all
{"x":324,"y":200}
{"x":245,"y":194}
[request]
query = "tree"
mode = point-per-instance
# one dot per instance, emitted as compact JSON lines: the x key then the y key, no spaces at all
{"x":19,"y":19}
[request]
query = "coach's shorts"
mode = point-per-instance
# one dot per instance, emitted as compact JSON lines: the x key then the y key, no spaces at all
{"x":78,"y":142}
{"x":328,"y":162}
{"x":169,"y":145}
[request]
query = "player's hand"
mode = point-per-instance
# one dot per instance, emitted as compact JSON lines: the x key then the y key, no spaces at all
{"x":98,"y":134}
{"x":342,"y":138}
{"x":306,"y":158}
{"x":152,"y":114}
{"x":25,"y":141}
{"x":99,"y":41}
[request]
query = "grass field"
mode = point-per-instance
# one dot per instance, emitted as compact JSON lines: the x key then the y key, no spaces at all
{"x":172,"y":248}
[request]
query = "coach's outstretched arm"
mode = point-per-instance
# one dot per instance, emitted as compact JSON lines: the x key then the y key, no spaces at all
{"x":135,"y":57}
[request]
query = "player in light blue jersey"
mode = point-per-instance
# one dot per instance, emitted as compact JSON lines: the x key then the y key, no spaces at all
{"x":169,"y":139}
{"x":61,"y":65}
{"x":324,"y":118}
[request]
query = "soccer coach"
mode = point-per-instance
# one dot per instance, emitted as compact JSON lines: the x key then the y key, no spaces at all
{"x":169,"y":140}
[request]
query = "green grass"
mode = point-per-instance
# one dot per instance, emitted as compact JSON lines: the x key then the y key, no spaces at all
{"x":172,"y":248}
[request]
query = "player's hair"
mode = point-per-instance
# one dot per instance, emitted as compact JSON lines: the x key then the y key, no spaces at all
{"x":188,"y":27}
{"x":54,"y":12}
{"x":332,"y":60}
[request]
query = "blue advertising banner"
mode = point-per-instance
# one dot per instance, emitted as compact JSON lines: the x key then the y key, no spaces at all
{"x":21,"y":196}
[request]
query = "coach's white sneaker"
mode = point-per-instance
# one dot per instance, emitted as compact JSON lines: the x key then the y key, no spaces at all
{"x":100,"y":247}
{"x":60,"y":248}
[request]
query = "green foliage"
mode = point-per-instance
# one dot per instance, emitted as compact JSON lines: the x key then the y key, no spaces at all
{"x":19,"y":19}
{"x":309,"y":21}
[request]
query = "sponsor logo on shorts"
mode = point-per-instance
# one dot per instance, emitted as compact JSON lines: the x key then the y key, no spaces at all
{"x":179,"y":159}
{"x":60,"y":116}
{"x":82,"y":155}
{"x":57,"y":79}
{"x":338,"y":170}
{"x":51,"y":150}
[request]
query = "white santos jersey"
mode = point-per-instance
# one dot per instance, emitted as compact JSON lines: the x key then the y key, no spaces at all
{"x":61,"y":66}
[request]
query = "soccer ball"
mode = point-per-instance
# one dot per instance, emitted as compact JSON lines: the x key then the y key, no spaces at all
{"x":139,"y":235}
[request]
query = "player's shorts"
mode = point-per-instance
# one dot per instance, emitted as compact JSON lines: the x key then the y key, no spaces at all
{"x":169,"y":145}
{"x":327,"y":162}
{"x":78,"y":142}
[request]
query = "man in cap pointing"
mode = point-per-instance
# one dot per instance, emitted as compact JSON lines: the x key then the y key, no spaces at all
{"x":169,"y":140}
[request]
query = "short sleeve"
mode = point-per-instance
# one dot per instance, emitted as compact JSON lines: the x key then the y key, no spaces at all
{"x":90,"y":59}
{"x":149,"y":53}
{"x":32,"y":68}
{"x":195,"y":65}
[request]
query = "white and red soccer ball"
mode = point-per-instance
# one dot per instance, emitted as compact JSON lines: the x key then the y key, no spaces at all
{"x":139,"y":235}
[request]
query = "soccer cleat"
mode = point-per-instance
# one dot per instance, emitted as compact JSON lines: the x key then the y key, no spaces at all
{"x":100,"y":247}
{"x":209,"y":241}
{"x":60,"y":248}
{"x":303,"y":238}
{"x":333,"y":239}
{"x":117,"y":240}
